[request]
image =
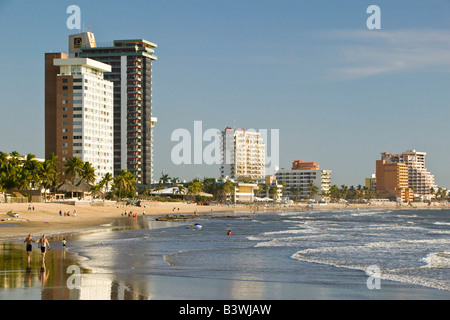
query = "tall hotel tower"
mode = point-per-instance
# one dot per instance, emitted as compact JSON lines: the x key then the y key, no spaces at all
{"x":131,"y":63}
{"x":79,"y":109}
{"x":243,"y":154}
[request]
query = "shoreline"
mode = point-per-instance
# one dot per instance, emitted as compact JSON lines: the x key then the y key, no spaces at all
{"x":45,"y":218}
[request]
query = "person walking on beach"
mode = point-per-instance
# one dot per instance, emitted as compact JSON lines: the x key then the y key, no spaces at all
{"x":29,"y":240}
{"x":43,"y":242}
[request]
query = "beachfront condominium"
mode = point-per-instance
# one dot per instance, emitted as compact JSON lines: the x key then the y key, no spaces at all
{"x":419,"y":178}
{"x":305,"y":180}
{"x":131,"y":63}
{"x":243,"y":154}
{"x":78,"y":111}
{"x":392,"y":180}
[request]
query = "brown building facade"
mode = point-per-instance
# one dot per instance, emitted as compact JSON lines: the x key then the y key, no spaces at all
{"x":57,"y":116}
{"x":392,"y":180}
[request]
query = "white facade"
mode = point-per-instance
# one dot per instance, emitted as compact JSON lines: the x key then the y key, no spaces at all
{"x":92,"y":112}
{"x":301,"y":179}
{"x":243,"y":154}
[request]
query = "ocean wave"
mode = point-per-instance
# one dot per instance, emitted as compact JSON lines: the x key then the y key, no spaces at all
{"x":410,"y":275}
{"x":113,"y":242}
{"x":403,"y":243}
{"x":442,"y":223}
{"x":437,"y":260}
{"x":287,"y":241}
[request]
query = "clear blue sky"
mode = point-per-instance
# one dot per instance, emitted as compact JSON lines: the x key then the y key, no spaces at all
{"x":339,"y":93}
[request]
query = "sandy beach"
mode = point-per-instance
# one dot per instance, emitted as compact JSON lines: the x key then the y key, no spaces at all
{"x":45,"y":218}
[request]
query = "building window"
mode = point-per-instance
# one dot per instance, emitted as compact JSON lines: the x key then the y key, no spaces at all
{"x":64,"y":87}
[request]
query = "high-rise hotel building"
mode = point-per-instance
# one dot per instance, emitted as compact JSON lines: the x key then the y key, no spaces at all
{"x":392,"y":180}
{"x":131,"y":74}
{"x":243,"y":154}
{"x":419,"y":178}
{"x":79,"y":110}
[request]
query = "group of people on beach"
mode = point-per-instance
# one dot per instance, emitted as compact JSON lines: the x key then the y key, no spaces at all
{"x":42,"y":243}
{"x":67,"y":214}
{"x":131,"y":214}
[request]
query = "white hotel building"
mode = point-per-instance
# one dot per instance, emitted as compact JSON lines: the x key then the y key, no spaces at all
{"x":243,"y":154}
{"x":85,"y":105}
{"x":301,"y":180}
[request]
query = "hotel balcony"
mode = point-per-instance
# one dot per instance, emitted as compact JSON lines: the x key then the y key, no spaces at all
{"x":134,"y":103}
{"x":134,"y":116}
{"x":134,"y":137}
{"x":134,"y":85}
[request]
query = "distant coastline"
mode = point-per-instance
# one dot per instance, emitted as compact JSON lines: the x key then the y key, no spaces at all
{"x":46,"y":219}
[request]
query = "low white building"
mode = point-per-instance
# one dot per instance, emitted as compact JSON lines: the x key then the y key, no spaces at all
{"x":244,"y":192}
{"x":298,"y":183}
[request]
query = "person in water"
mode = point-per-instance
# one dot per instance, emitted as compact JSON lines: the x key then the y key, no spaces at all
{"x":229,"y":232}
{"x":29,"y":240}
{"x":43,"y":242}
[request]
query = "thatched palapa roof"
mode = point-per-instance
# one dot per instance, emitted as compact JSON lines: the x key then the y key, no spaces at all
{"x":67,"y":186}
{"x":84,"y":185}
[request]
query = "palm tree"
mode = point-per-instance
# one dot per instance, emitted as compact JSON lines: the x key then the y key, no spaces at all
{"x":97,"y":190}
{"x":88,"y":172}
{"x":228,"y":188}
{"x":32,"y":169}
{"x":124,"y":183}
{"x":106,"y":180}
{"x":273,"y":193}
{"x":48,"y":176}
{"x":195,"y":187}
{"x":313,"y":190}
{"x":180,"y":190}
{"x":295,"y":193}
{"x":51,"y":172}
{"x":164,"y":178}
{"x":74,"y":168}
